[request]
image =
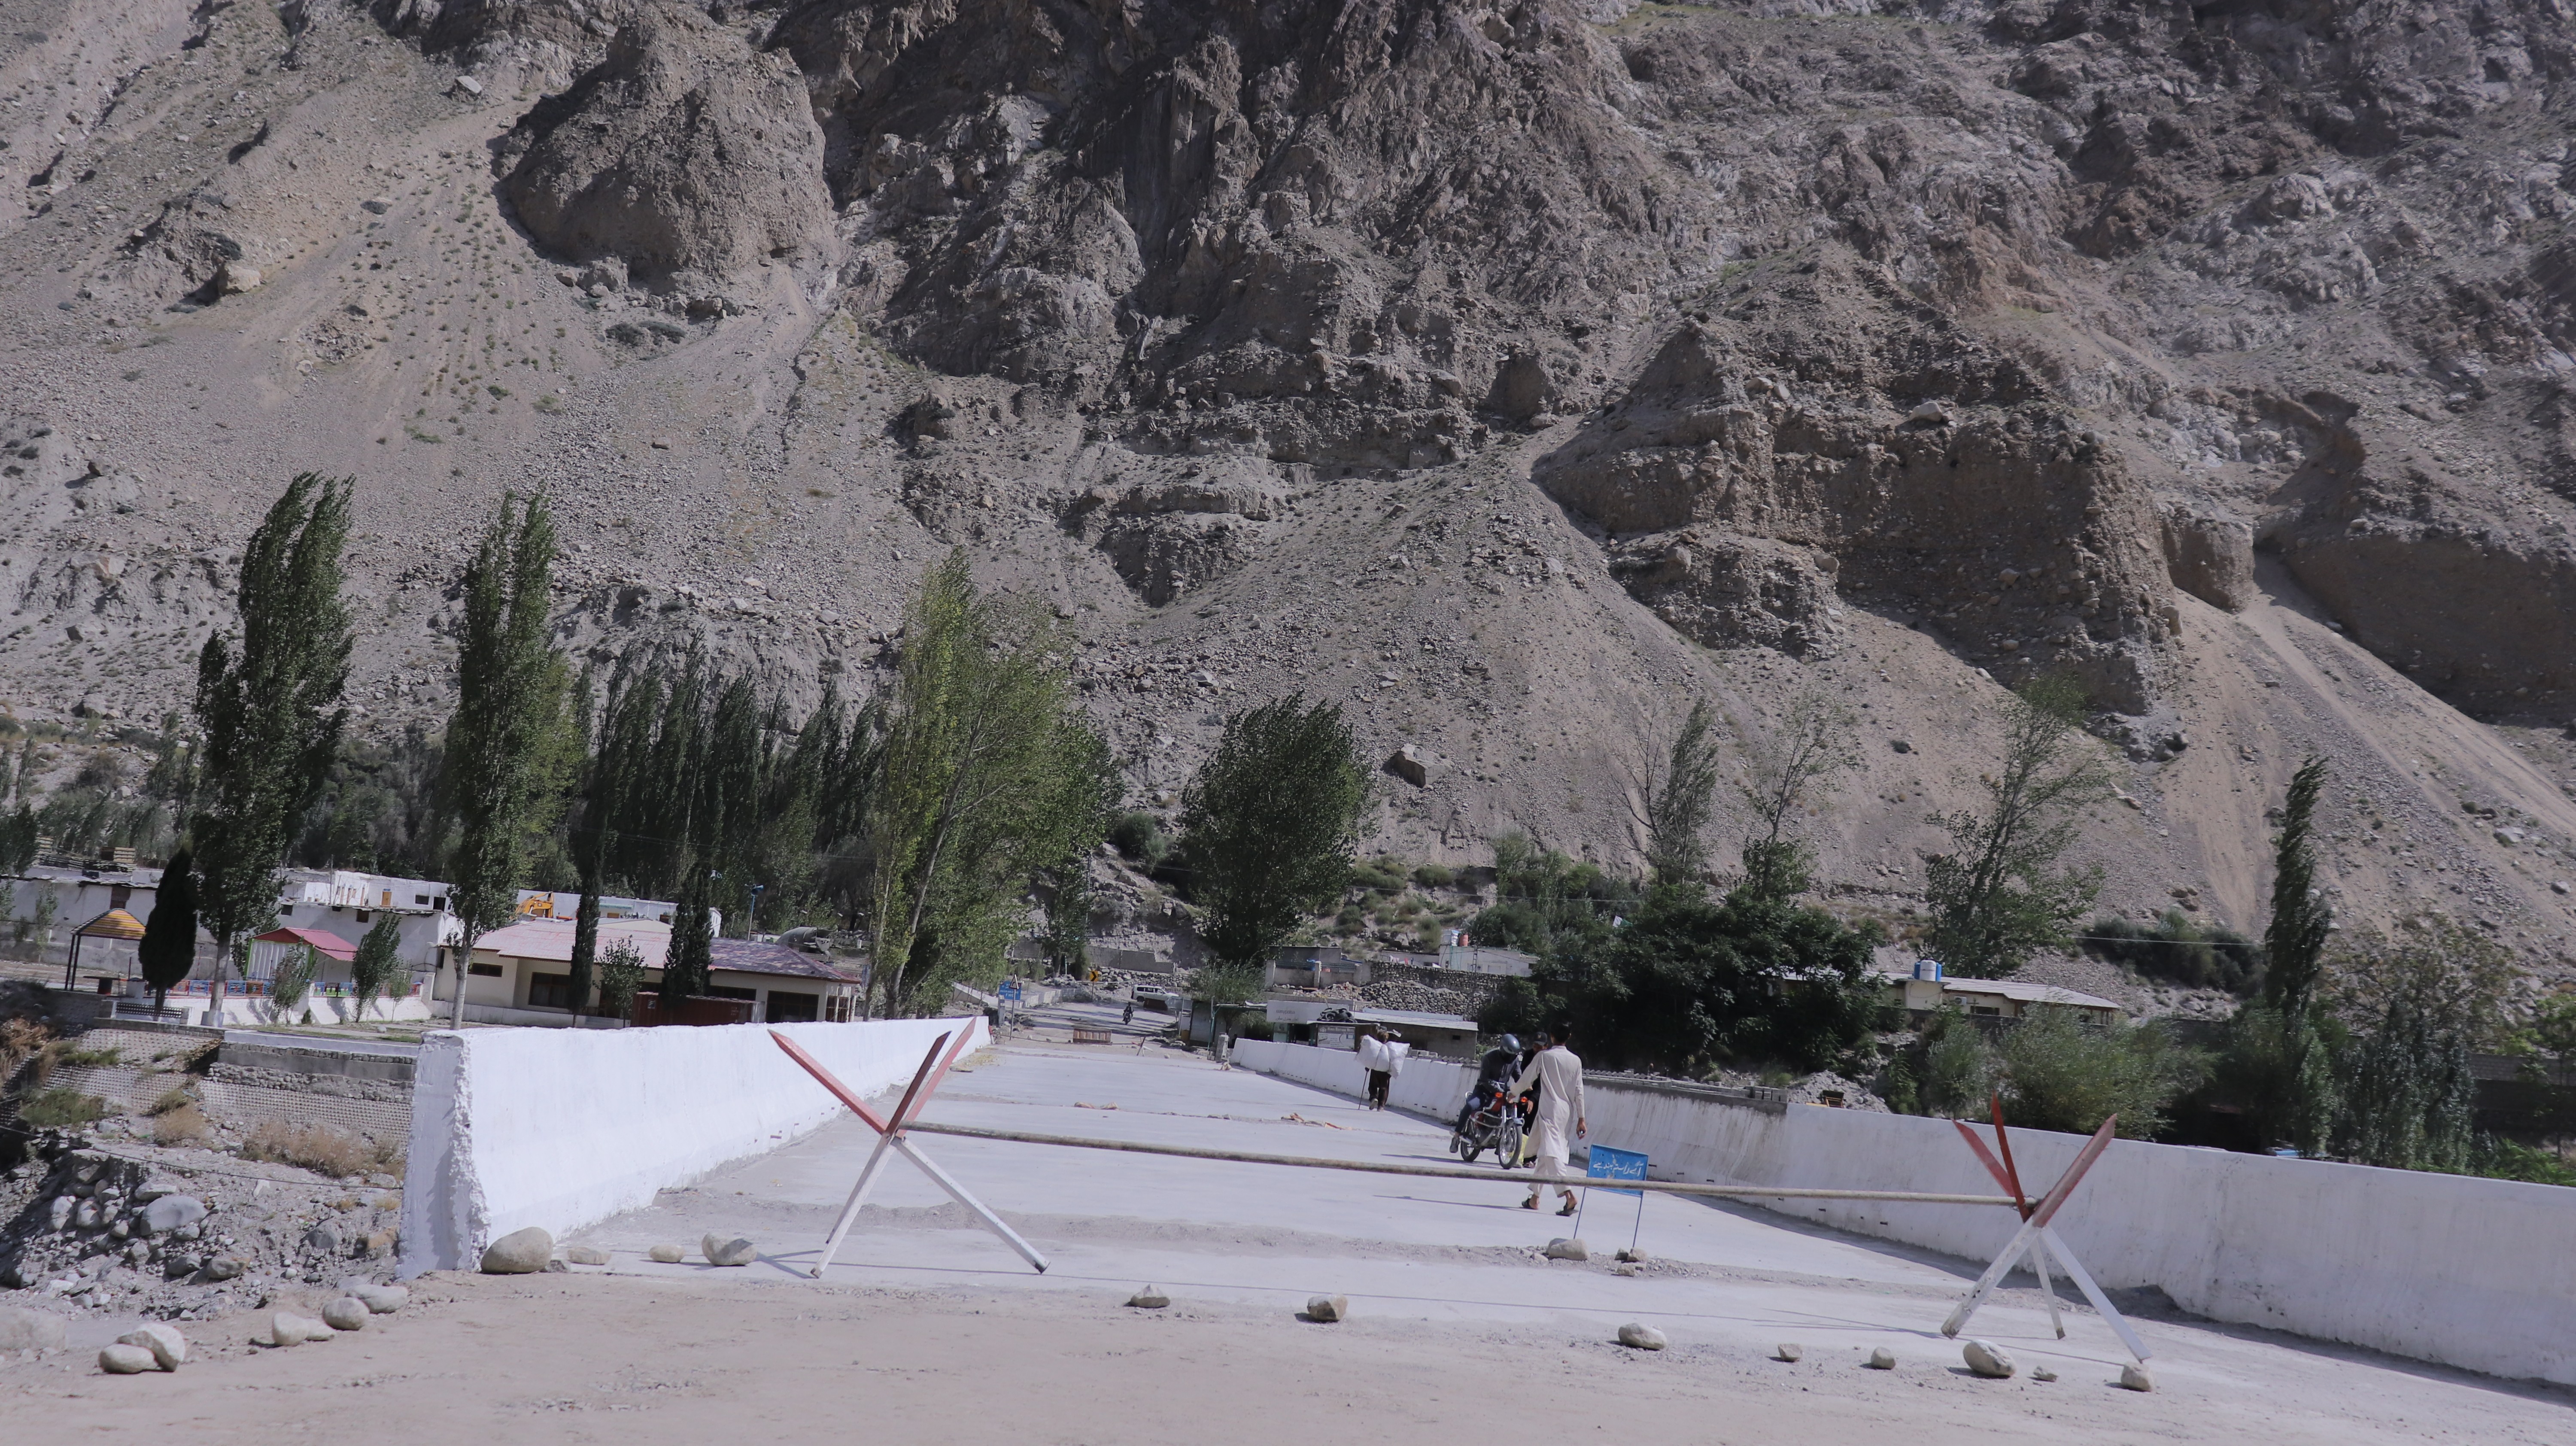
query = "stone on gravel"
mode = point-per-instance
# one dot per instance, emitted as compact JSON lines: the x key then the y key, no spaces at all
{"x":1563,"y":1249}
{"x":2135,"y":1377}
{"x":521,"y":1252}
{"x":1788,"y":1351}
{"x":722,"y":1250}
{"x":22,"y":1329}
{"x":1632,"y":1256}
{"x":125,"y":1360}
{"x":225,"y":1267}
{"x":585,"y":1255}
{"x":667,"y":1254}
{"x":1326,"y":1309}
{"x":1987,"y":1359}
{"x":286,"y":1328}
{"x":1643,"y":1337}
{"x":156,"y":1187}
{"x":1882,"y":1359}
{"x":348,"y":1313}
{"x":2042,"y":1373}
{"x":1150,"y":1298}
{"x":169,"y":1348}
{"x":383,"y":1299}
{"x":169,"y":1212}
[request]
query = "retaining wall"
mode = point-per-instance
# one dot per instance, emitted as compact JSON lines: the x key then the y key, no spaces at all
{"x":563,"y":1127}
{"x":2467,"y":1272}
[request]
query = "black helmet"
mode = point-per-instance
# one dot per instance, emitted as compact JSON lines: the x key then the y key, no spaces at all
{"x":1512,"y":1042}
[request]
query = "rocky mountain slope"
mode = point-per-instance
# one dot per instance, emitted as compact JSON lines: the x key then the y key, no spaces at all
{"x":1514,"y":373}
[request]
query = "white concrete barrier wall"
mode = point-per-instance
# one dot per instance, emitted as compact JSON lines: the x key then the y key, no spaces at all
{"x":564,"y":1127}
{"x":1427,"y":1086}
{"x":2462,"y":1271}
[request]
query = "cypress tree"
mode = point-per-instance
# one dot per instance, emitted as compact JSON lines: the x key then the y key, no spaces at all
{"x":169,"y":947}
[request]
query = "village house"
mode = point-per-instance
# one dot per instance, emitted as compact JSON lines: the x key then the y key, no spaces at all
{"x":1925,"y":989}
{"x":522,"y":974}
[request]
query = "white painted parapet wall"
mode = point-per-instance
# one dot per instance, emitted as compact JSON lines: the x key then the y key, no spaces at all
{"x":565,"y":1127}
{"x":2447,"y":1268}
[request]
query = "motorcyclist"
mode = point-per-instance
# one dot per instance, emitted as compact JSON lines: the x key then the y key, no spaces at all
{"x":1493,"y":1072}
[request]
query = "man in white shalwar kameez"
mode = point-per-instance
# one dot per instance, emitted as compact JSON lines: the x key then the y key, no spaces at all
{"x":1559,"y":1076}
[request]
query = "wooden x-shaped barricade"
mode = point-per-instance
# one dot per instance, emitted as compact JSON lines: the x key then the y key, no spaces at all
{"x":891,"y":1138}
{"x":2035,"y":1238}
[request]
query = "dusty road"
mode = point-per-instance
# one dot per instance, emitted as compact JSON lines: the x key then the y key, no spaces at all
{"x":930,"y":1331}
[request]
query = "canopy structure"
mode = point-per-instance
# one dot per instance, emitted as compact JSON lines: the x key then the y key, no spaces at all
{"x":114,"y":925}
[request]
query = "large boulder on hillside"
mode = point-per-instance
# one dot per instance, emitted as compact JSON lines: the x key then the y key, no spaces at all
{"x":685,"y":155}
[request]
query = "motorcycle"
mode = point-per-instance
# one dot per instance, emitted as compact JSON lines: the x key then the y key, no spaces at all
{"x":1494,"y":1124}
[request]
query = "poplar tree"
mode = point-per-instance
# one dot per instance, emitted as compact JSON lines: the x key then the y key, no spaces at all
{"x":968,"y":799}
{"x":379,"y":962}
{"x":504,"y":738}
{"x":268,"y":710}
{"x":692,"y":956}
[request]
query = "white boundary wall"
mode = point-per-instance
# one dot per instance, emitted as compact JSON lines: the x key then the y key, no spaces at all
{"x":2448,"y":1268}
{"x":564,"y":1127}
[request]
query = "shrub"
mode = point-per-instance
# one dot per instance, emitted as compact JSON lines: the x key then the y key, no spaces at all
{"x":1959,"y":1069}
{"x":621,"y":973}
{"x":184,"y":1125}
{"x":1385,"y":875}
{"x":1434,"y":876}
{"x":62,"y":1108}
{"x":2062,"y":1074}
{"x":320,"y":1148}
{"x":171,"y":1099}
{"x":2505,"y":1160}
{"x":2176,"y":949}
{"x":1140,"y":837}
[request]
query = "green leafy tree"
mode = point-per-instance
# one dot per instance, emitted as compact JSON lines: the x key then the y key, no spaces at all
{"x":505,"y":749}
{"x":1690,"y":983}
{"x":2062,"y":1074}
{"x":1268,"y":828}
{"x":1790,"y":773}
{"x":268,"y":711}
{"x":1076,"y":819}
{"x":1960,"y":1069}
{"x":2417,"y":1003}
{"x":1680,"y":794}
{"x":2001,"y":895}
{"x":379,"y":963}
{"x":692,"y":950}
{"x":621,"y":974}
{"x":18,"y":833}
{"x":2294,"y":944}
{"x":292,"y":979}
{"x":968,"y":800}
{"x":169,"y":947}
{"x":585,"y":944}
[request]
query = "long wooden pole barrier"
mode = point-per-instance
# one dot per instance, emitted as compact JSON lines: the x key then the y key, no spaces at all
{"x":1446,"y":1172}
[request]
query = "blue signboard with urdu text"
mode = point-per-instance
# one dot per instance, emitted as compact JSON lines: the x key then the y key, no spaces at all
{"x":1610,"y":1164}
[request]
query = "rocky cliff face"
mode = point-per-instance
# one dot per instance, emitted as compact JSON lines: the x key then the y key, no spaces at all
{"x":1512,"y":372}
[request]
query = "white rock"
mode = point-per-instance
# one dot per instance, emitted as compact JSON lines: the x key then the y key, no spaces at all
{"x":286,"y":1328}
{"x":1563,"y":1249}
{"x":667,"y":1254}
{"x":1882,"y":1359}
{"x":585,"y":1255}
{"x":1633,"y":1256}
{"x":124,"y":1360}
{"x":1789,"y":1351}
{"x":469,"y":85}
{"x":169,"y":1348}
{"x":724,"y":1250}
{"x":156,"y":1187}
{"x":1327,"y":1309}
{"x":1643,"y":1337}
{"x":169,"y":1212}
{"x":383,"y":1299}
{"x":521,"y":1252}
{"x":1150,"y":1298}
{"x":2135,"y":1377}
{"x":1987,"y":1359}
{"x":2042,"y":1373}
{"x":348,"y":1313}
{"x":22,"y":1329}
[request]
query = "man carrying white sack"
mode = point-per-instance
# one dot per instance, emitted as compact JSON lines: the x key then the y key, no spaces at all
{"x":1559,"y":1076}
